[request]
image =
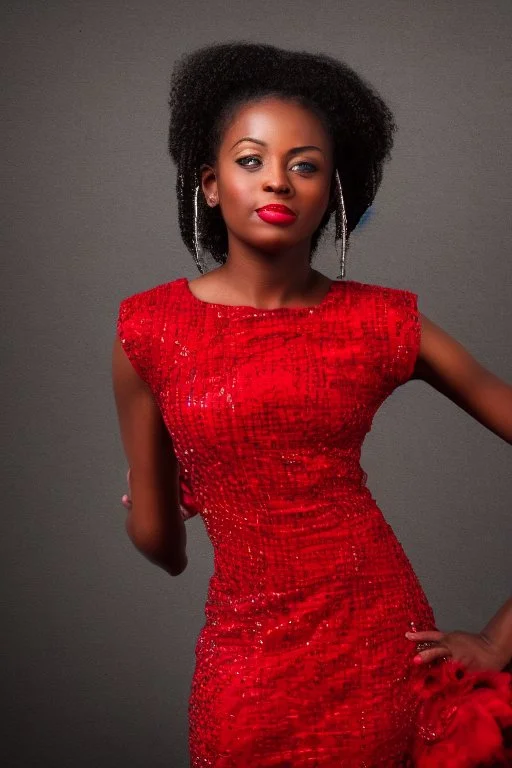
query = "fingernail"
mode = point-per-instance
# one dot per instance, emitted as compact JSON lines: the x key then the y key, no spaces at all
{"x":417,"y":659}
{"x":409,"y":634}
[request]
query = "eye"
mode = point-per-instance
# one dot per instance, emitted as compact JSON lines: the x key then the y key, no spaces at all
{"x":241,"y":162}
{"x":311,"y":166}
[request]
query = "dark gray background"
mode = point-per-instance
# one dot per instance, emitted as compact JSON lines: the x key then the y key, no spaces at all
{"x":99,"y":643}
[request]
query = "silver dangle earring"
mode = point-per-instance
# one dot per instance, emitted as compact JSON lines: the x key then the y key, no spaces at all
{"x":201,"y":265}
{"x":341,"y":227}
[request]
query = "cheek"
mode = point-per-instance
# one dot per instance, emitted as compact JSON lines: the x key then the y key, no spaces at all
{"x":238,"y":190}
{"x":239,"y":198}
{"x":316,"y":204}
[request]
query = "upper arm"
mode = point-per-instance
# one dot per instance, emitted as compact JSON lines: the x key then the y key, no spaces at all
{"x":149,"y":451}
{"x":443,"y":359}
{"x":445,"y":364}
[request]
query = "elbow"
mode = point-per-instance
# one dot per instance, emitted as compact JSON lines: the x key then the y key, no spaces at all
{"x":138,"y":535}
{"x":144,"y":537}
{"x":169,"y":555}
{"x":178,"y":566}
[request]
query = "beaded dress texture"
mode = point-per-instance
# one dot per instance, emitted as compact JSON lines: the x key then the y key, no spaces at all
{"x":302,"y":661}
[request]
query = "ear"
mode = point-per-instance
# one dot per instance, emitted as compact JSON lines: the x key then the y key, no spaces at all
{"x":209,"y":184}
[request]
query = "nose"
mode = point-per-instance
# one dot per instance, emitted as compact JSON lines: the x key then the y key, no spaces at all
{"x":277,"y":187}
{"x":277,"y":181}
{"x":281,"y":189}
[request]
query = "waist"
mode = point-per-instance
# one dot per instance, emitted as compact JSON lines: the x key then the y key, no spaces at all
{"x":298,"y":550}
{"x":271,"y":482}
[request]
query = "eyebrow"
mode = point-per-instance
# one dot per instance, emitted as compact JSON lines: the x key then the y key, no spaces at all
{"x":293,"y":151}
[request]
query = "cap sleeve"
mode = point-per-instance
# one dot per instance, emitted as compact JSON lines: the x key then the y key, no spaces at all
{"x":137,"y":328}
{"x":402,"y":326}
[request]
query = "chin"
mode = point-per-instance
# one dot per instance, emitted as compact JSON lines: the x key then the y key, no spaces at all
{"x":274,"y":247}
{"x":274,"y":241}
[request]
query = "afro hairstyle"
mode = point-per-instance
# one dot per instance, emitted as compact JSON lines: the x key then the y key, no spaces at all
{"x":209,"y":84}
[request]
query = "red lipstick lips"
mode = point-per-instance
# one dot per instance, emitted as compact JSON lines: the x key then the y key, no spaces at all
{"x":275,"y":213}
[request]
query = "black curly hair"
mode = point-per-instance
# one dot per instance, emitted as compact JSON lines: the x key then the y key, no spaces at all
{"x":211,"y":83}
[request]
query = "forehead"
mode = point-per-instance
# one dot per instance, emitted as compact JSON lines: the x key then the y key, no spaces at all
{"x":275,"y":121}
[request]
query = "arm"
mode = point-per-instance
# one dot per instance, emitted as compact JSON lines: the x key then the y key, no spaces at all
{"x":498,"y":631}
{"x":448,"y":367}
{"x":154,"y":524}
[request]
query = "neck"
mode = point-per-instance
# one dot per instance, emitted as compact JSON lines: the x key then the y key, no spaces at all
{"x":270,"y":278}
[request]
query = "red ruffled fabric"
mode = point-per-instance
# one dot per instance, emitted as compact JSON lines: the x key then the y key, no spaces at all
{"x":464,"y":718}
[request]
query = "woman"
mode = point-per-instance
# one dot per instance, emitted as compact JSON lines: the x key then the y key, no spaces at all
{"x":258,"y":382}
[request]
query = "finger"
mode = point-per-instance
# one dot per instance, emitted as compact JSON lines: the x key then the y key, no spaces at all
{"x":429,"y":635}
{"x":431,"y":654}
{"x":126,"y":501}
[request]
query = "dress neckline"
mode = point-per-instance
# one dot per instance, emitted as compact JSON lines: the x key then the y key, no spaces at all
{"x":247,"y":309}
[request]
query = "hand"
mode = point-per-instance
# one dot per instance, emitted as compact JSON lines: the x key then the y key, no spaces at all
{"x":126,"y":498}
{"x":474,"y":651}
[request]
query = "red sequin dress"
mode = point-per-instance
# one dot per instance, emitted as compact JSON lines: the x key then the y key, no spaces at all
{"x":302,"y":661}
